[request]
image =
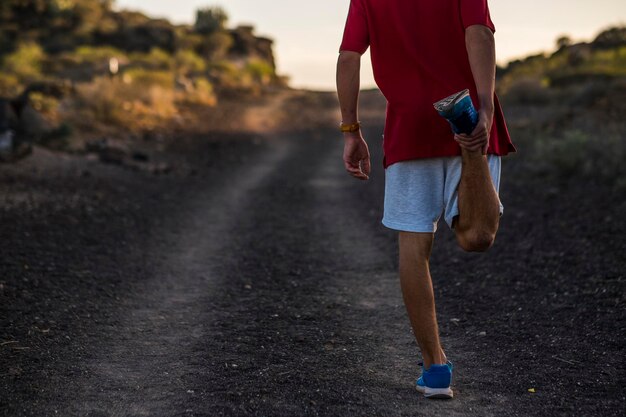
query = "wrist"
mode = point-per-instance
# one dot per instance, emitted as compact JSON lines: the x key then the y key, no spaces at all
{"x":486,"y":112}
{"x":350,"y":127}
{"x":487,"y":105}
{"x":352,"y":135}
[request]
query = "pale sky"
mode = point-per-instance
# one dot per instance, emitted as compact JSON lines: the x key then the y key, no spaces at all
{"x":307,"y":33}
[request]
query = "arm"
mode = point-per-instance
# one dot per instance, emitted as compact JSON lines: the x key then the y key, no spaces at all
{"x":481,"y":52}
{"x":356,"y":155}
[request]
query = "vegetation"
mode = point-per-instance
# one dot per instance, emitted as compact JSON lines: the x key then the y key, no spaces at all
{"x":603,"y":58}
{"x":210,"y":20}
{"x":125,"y":69}
{"x":571,"y":107}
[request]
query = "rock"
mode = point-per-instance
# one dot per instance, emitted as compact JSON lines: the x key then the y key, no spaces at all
{"x":32,"y":124}
{"x":109,"y":151}
{"x":12,"y":146}
{"x":116,"y":152}
{"x":6,"y":142}
{"x":140,"y":156}
{"x":21,"y":124}
{"x":160,"y":168}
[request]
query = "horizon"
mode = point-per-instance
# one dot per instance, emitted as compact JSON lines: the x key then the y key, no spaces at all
{"x":306,"y":49}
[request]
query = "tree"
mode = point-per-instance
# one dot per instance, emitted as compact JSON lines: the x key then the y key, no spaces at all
{"x":611,"y":38}
{"x":210,"y":20}
{"x":563,"y":42}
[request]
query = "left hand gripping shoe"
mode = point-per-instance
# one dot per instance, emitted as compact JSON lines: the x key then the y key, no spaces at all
{"x":435,"y":381}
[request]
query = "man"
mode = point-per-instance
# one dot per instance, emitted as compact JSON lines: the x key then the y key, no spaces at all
{"x":423,"y":51}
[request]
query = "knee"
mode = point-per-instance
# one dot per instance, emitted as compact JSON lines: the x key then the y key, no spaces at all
{"x":476,"y":240}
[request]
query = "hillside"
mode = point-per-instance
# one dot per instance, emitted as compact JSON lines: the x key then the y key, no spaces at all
{"x":565,"y":109}
{"x":74,"y":69}
{"x":80,"y":75}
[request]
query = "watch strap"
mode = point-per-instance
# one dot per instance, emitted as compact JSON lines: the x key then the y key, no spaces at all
{"x":350,"y":128}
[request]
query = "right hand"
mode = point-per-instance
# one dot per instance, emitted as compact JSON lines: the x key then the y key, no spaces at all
{"x":356,"y":155}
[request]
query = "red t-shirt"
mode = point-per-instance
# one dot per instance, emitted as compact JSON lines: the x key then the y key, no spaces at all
{"x":419,"y":57}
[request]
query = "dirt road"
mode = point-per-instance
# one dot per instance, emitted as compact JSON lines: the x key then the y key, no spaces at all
{"x":260,"y":282}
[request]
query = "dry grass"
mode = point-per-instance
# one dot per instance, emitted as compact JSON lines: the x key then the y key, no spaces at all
{"x":127,"y":104}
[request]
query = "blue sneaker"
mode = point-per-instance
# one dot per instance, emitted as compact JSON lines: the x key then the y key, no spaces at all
{"x":459,"y":111}
{"x":435,"y":381}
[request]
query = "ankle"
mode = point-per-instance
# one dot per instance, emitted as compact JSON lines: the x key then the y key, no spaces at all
{"x":472,"y":155}
{"x":434,"y":358}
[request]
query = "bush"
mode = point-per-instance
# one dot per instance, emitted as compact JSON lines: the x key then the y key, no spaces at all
{"x":190,"y":40}
{"x":146,"y":78}
{"x":139,"y":105}
{"x":189,"y":62}
{"x":156,"y":59}
{"x":43,"y":103}
{"x":225,"y":73}
{"x":202,"y":93}
{"x":9,"y":85}
{"x":96,"y":54}
{"x":260,"y":70}
{"x":25,"y":63}
{"x":527,"y":90}
{"x":210,"y":20}
{"x":216,"y":46}
{"x":610,"y":38}
{"x":576,"y":154}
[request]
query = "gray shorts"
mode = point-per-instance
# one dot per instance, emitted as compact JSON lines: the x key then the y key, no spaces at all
{"x":418,"y":191}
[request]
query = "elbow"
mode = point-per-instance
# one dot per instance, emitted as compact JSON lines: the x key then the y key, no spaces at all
{"x":348,"y":63}
{"x":349,"y":58}
{"x":480,"y":34}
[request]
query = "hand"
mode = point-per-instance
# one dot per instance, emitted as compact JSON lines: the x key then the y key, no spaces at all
{"x":356,"y":155}
{"x":479,"y":138}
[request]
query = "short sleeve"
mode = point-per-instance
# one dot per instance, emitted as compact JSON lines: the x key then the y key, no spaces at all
{"x":476,"y":12}
{"x":356,"y":34}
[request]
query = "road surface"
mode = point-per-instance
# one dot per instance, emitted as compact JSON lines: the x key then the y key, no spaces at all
{"x":259,"y":282}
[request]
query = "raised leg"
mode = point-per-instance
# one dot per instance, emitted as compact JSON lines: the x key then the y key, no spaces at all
{"x":479,"y":206}
{"x":418,"y":295}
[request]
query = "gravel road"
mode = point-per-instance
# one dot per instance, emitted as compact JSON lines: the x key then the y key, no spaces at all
{"x":258,"y":281}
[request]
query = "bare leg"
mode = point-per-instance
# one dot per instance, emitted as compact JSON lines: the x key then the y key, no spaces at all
{"x":417,"y":292}
{"x":479,"y":205}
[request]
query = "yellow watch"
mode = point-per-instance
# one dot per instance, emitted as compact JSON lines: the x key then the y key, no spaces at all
{"x":354,"y":127}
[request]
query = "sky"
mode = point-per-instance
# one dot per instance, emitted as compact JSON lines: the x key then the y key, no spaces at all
{"x":307,"y":33}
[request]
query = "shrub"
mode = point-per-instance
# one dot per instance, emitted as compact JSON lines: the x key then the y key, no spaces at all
{"x":210,"y":20}
{"x":9,"y":85}
{"x":43,"y":103}
{"x":157,"y":59}
{"x":96,"y":54}
{"x":527,"y":90}
{"x":610,"y":38}
{"x":216,"y":46}
{"x":577,"y":154}
{"x":147,"y":78}
{"x":189,"y":40}
{"x":225,"y":73}
{"x":563,"y":42}
{"x":26,"y":62}
{"x":202,"y":93}
{"x":189,"y":62}
{"x":140,"y":105}
{"x":260,"y":70}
